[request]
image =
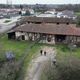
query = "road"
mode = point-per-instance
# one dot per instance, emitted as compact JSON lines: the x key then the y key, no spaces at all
{"x":4,"y":28}
{"x":7,"y":26}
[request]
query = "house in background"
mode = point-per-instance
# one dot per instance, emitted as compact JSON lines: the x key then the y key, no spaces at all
{"x":46,"y":15}
{"x":52,"y":11}
{"x":66,"y":14}
{"x":27,"y":12}
{"x":49,"y":13}
{"x":9,"y":13}
{"x":58,"y":14}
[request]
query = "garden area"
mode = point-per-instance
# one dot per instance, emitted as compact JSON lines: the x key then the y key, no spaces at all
{"x":77,"y":13}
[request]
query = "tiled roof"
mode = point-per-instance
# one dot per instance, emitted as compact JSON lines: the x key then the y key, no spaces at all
{"x":55,"y":29}
{"x":47,"y":20}
{"x":77,"y":31}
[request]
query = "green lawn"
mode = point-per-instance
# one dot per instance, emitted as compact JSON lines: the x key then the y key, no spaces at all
{"x":77,"y":13}
{"x":63,"y":51}
{"x":64,"y":54}
{"x":18,"y":47}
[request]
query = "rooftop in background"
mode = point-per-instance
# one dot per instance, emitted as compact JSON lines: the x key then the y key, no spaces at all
{"x":68,"y":14}
{"x":47,"y":20}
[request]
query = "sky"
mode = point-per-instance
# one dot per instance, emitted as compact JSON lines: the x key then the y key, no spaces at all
{"x":42,"y":1}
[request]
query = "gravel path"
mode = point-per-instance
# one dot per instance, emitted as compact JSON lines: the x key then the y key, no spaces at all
{"x":37,"y":64}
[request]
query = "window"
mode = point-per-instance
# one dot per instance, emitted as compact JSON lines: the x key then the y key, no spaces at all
{"x":67,"y":23}
{"x":22,"y":32}
{"x":28,"y":22}
{"x":49,"y":39}
{"x":57,"y":23}
{"x":23,"y":37}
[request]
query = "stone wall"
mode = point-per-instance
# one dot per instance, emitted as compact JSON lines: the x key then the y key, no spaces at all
{"x":35,"y":36}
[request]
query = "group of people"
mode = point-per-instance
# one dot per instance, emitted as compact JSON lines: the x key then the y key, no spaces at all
{"x":45,"y":53}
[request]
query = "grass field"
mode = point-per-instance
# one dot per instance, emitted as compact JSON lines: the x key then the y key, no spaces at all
{"x":77,"y":13}
{"x":16,"y":46}
{"x":19,"y":47}
{"x":63,"y":50}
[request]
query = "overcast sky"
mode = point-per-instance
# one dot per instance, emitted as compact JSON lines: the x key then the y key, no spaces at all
{"x":42,"y":1}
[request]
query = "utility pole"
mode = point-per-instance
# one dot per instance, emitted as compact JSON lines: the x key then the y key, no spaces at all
{"x":9,"y":2}
{"x":9,"y":5}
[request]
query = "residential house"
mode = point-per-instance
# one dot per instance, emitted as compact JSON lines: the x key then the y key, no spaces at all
{"x":49,"y":13}
{"x":66,"y":14}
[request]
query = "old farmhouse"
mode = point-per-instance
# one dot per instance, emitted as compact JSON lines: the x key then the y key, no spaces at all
{"x":46,"y":30}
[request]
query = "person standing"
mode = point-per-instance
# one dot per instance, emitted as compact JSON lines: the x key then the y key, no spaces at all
{"x":45,"y":53}
{"x":41,"y":51}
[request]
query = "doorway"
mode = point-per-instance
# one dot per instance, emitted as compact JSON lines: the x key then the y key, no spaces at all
{"x":23,"y":37}
{"x":60,"y":38}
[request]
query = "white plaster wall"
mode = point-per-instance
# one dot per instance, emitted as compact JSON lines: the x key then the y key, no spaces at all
{"x":37,"y":35}
{"x":78,"y":39}
{"x":26,"y":36}
{"x":52,"y":41}
{"x":19,"y":34}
